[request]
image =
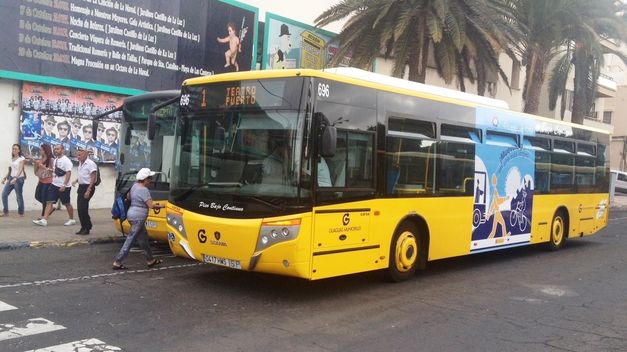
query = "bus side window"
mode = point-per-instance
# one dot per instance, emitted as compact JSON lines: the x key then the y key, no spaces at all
{"x":456,"y":159}
{"x":410,"y":156}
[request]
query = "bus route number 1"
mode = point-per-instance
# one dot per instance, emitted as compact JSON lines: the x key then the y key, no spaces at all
{"x":323,"y":90}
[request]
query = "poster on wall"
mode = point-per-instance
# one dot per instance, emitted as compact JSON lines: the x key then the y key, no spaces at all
{"x":292,"y":44}
{"x":125,"y":46}
{"x":61,"y":115}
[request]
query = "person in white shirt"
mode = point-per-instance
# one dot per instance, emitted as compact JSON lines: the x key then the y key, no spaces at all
{"x":14,"y":180}
{"x":60,"y":187}
{"x":87,"y":173}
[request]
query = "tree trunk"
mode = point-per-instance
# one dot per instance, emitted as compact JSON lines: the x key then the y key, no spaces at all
{"x":580,"y":98}
{"x":534,"y":82}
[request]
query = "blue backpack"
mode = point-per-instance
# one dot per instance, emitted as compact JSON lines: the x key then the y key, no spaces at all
{"x":120,"y":207}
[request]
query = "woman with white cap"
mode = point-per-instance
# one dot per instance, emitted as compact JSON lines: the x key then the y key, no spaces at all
{"x":141,"y":202}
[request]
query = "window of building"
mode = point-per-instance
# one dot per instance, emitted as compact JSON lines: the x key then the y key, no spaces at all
{"x":607,"y":117}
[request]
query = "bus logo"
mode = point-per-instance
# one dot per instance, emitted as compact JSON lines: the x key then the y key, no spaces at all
{"x":346,"y":219}
{"x":202,"y":237}
{"x":217,"y":235}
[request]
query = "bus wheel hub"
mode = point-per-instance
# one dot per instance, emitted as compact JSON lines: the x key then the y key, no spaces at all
{"x":406,"y":251}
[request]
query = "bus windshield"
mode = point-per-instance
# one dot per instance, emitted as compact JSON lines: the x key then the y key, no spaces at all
{"x":253,"y":153}
{"x":248,"y":158}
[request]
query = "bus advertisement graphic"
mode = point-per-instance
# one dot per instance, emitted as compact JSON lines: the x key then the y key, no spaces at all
{"x":503,"y":185}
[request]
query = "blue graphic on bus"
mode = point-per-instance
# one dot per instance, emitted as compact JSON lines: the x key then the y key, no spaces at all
{"x":503,"y":185}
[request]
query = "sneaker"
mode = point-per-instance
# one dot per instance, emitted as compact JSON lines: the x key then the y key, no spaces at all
{"x":70,"y":222}
{"x":40,"y":222}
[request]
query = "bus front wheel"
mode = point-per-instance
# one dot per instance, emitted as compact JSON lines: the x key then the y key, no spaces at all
{"x":404,"y":253}
{"x":558,"y":231}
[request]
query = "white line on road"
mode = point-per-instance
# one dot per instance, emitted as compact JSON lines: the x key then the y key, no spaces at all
{"x":4,"y":306}
{"x":82,"y":345}
{"x":90,"y":277}
{"x":28,"y":327}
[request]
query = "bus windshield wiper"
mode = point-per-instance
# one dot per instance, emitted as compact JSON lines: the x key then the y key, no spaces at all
{"x":190,"y":190}
{"x":263,"y":201}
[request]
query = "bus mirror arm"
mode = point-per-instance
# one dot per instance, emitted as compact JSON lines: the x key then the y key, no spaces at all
{"x":218,"y":137}
{"x":152,"y":126}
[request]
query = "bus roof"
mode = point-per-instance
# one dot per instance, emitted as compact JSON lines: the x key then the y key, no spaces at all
{"x":379,"y":81}
{"x":351,"y":73}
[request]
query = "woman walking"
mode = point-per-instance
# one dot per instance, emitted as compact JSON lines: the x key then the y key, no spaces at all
{"x":43,"y":170}
{"x":14,"y":180}
{"x":141,"y":202}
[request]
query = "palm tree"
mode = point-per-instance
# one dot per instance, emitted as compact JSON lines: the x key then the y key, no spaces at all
{"x":590,"y":23}
{"x":542,"y":23}
{"x":461,"y":34}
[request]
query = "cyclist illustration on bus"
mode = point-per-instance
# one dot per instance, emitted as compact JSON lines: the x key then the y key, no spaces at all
{"x":502,"y":198}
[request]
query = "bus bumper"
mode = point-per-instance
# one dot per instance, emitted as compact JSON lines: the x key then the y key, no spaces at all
{"x":234,"y":243}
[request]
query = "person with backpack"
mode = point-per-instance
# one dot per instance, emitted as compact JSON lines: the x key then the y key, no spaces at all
{"x":141,"y":203}
{"x":87,"y":179}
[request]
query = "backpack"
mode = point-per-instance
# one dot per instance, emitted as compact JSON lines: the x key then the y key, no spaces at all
{"x":121,"y":205}
{"x":98,"y":179}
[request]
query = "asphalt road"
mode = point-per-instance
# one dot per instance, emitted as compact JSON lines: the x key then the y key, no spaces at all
{"x":524,"y":299}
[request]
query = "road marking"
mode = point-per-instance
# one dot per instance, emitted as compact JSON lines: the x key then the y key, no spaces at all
{"x":4,"y":306}
{"x":28,"y":327}
{"x":82,"y":345}
{"x":90,"y":277}
{"x":623,"y":218}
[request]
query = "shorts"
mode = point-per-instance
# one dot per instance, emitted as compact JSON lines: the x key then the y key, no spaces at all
{"x":54,"y":194}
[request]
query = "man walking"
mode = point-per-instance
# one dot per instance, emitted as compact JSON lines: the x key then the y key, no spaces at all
{"x":87,"y":173}
{"x":60,"y":187}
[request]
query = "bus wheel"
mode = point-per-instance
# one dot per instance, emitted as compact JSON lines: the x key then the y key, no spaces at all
{"x":404,"y":253}
{"x":558,"y":232}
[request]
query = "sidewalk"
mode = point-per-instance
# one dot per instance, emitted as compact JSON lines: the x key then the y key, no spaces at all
{"x":20,"y":232}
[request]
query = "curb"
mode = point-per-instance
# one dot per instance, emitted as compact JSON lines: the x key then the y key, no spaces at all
{"x":60,"y":244}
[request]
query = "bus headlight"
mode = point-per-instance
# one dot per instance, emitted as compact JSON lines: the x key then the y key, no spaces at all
{"x":274,"y":232}
{"x":176,"y":221}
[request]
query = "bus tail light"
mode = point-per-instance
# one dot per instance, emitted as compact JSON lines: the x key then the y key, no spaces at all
{"x":176,"y":221}
{"x":273,"y":232}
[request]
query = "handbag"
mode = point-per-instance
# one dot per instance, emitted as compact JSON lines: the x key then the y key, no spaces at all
{"x":58,"y":171}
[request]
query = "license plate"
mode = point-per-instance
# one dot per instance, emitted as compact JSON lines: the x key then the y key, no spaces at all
{"x":229,"y":263}
{"x":151,"y":224}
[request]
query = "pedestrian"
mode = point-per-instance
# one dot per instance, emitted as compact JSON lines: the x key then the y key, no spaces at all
{"x":87,"y":173}
{"x":14,"y":180}
{"x":43,"y":170}
{"x":60,"y":187}
{"x":141,"y":202}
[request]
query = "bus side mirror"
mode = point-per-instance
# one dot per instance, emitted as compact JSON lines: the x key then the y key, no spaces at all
{"x":152,"y":126}
{"x":328,"y":141}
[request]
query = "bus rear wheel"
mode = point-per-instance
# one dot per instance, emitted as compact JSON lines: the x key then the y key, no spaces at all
{"x":404,"y":253}
{"x":558,"y":231}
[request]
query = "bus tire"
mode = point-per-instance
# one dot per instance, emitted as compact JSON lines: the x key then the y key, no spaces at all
{"x":405,"y":253}
{"x":559,"y":229}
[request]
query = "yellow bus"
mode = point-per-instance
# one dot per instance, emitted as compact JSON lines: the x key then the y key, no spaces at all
{"x":317,"y":174}
{"x":137,"y":150}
